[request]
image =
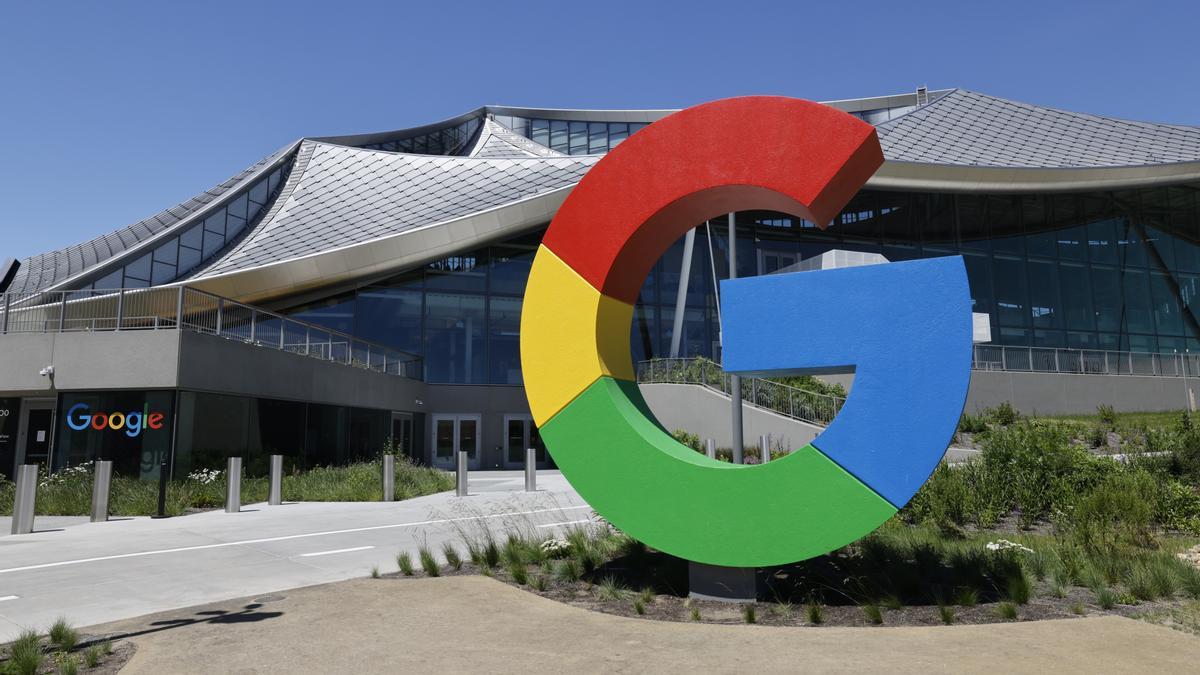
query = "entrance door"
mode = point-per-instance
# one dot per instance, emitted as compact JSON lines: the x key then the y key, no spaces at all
{"x":521,"y":433}
{"x":402,"y":437}
{"x":452,"y":433}
{"x":10,"y":417}
{"x":37,"y":432}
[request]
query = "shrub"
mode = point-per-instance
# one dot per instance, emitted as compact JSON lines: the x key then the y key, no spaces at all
{"x":63,"y":635}
{"x":691,"y":440}
{"x":749,"y":614}
{"x":68,"y":665}
{"x":453,"y":559}
{"x":873,"y":614}
{"x":1077,"y":608}
{"x":609,"y":589}
{"x":375,"y":573}
{"x":946,"y":614}
{"x":1018,"y":588}
{"x":1106,"y":598}
{"x":405,"y":563}
{"x":967,"y":597}
{"x":518,"y":573}
{"x":91,"y":657}
{"x":1004,"y":414}
{"x":972,"y":424}
{"x":639,"y":606}
{"x":568,"y":570}
{"x":25,"y":653}
{"x":816,"y":613}
{"x":1108,"y":416}
{"x":1118,"y":512}
{"x":537,"y":582}
{"x":695,"y":614}
{"x":428,"y":562}
{"x":1007,"y":611}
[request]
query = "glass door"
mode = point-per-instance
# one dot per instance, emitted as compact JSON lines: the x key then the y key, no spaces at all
{"x":521,"y":433}
{"x":37,"y":431}
{"x":402,"y":436}
{"x":456,"y":432}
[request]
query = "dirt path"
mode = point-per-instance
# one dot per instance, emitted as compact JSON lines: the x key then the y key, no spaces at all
{"x":470,"y":623}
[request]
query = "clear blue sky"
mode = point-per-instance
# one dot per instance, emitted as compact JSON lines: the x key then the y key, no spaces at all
{"x":111,"y":111}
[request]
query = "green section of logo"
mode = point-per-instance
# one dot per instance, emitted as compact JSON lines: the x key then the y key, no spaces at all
{"x":658,"y":490}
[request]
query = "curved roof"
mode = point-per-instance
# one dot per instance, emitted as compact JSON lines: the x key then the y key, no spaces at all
{"x":967,"y":128}
{"x":348,"y":211}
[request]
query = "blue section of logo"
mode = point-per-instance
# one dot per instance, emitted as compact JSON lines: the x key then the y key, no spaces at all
{"x":903,"y":329}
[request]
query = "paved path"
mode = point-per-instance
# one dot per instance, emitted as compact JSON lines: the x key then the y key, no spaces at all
{"x":130,"y":567}
{"x":475,"y":624}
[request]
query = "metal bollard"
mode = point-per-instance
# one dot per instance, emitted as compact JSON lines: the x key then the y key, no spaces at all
{"x":530,"y":470}
{"x":101,"y":487}
{"x":275,"y":496}
{"x":389,"y":478}
{"x":710,"y":448}
{"x":460,"y":473}
{"x":24,"y":500}
{"x":764,"y":448}
{"x":164,"y":475}
{"x":233,"y":485}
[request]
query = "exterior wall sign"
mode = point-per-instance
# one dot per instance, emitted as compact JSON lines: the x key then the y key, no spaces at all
{"x":131,"y":423}
{"x":903,"y":328}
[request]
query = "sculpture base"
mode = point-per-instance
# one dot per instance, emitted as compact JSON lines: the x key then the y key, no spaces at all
{"x":724,"y":584}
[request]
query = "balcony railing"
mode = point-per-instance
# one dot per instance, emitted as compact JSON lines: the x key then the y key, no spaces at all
{"x":190,"y":309}
{"x":1084,"y":361}
{"x":800,"y":404}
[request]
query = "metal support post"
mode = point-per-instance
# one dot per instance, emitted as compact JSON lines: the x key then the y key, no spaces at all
{"x":220,"y":313}
{"x":25,"y":499}
{"x":120,"y":308}
{"x":7,"y":309}
{"x":253,"y":324}
{"x":685,"y":274}
{"x":530,"y":470}
{"x":735,"y":381}
{"x":710,"y":448}
{"x":179,"y":308}
{"x":764,"y":448}
{"x":460,"y":474}
{"x":389,"y":478}
{"x":275,"y":496}
{"x":233,"y":485}
{"x":101,"y":487}
{"x":62,"y":312}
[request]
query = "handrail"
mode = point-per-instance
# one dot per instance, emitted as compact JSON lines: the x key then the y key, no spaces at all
{"x":1083,"y":361}
{"x":794,"y":402}
{"x":180,"y":307}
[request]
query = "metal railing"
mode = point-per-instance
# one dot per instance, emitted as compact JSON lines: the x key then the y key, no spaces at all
{"x":799,"y":404}
{"x":190,"y":309}
{"x":1083,"y":361}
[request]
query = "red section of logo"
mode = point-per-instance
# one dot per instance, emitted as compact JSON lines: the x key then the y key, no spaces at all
{"x":756,"y":152}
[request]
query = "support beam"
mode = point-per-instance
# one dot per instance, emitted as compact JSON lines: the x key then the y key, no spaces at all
{"x":685,"y":274}
{"x":735,"y":381}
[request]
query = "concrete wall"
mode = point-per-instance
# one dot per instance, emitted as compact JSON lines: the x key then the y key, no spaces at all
{"x":211,"y":363}
{"x":102,"y":360}
{"x":1056,"y":394}
{"x":702,"y":411}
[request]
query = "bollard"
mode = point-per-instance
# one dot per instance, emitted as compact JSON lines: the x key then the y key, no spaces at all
{"x":233,"y":485}
{"x":275,"y":496}
{"x":389,"y":478}
{"x":710,"y":448}
{"x":101,"y":487}
{"x":530,"y":470}
{"x":163,"y":475}
{"x":764,"y":448}
{"x":24,"y":500}
{"x":460,"y":474}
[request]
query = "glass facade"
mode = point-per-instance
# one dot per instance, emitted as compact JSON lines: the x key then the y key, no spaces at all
{"x":213,"y":427}
{"x":133,"y":429}
{"x":1112,"y":270}
{"x":452,"y":140}
{"x":571,"y":137}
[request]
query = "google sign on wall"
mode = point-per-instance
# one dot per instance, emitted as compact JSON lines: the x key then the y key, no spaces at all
{"x":80,"y":418}
{"x":904,"y":329}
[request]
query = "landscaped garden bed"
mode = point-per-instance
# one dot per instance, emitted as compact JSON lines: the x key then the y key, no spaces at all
{"x":1037,"y":527}
{"x":63,"y":651}
{"x":69,"y":492}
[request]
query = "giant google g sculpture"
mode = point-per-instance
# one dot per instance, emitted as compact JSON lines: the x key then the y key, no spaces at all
{"x":904,"y":328}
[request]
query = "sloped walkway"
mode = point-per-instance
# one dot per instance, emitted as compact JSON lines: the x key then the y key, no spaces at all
{"x":476,"y":624}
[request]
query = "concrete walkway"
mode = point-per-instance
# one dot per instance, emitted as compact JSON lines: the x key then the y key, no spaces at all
{"x":129,"y":567}
{"x":476,"y":624}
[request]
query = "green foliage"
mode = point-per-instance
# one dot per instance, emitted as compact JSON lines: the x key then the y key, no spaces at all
{"x":749,"y":614}
{"x":405,"y":563}
{"x":63,"y":636}
{"x":25,"y":655}
{"x":375,"y":573}
{"x":517,"y":571}
{"x":1007,"y":611}
{"x":68,"y":665}
{"x":972,"y":424}
{"x":1018,"y":589}
{"x":91,"y":657}
{"x":873,"y":614}
{"x":1106,"y":598}
{"x":1077,"y":608}
{"x":816,"y":612}
{"x":967,"y":597}
{"x":453,"y":559}
{"x":691,"y":440}
{"x":537,"y":582}
{"x":639,"y":606}
{"x":428,"y":562}
{"x":1004,"y":414}
{"x":69,"y":493}
{"x":695,"y":614}
{"x":1108,"y":416}
{"x":609,"y":589}
{"x":946,"y":614}
{"x":568,"y":570}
